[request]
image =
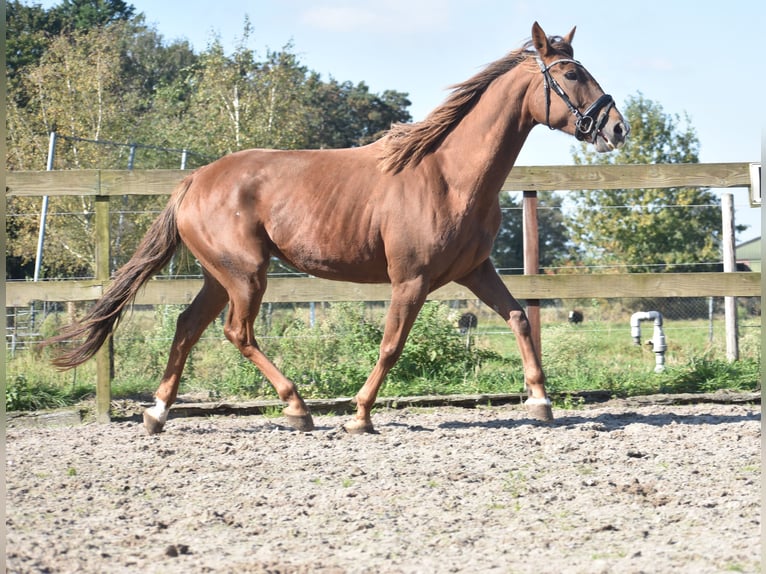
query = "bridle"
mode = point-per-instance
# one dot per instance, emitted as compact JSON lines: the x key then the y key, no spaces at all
{"x":588,"y":124}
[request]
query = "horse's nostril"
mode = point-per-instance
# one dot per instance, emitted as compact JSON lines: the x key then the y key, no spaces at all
{"x":620,"y":132}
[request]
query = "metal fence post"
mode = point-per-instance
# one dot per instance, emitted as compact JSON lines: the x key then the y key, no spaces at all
{"x":44,"y":210}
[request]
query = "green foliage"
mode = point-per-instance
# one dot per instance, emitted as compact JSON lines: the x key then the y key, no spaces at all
{"x":702,"y":374}
{"x":508,"y":249}
{"x":334,"y":358}
{"x":88,"y":14}
{"x":342,"y":114}
{"x":655,"y":137}
{"x":641,"y":228}
{"x":436,"y":352}
{"x":331,"y":359}
{"x":95,"y":70}
{"x":24,"y":395}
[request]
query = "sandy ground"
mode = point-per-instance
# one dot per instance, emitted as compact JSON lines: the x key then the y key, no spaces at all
{"x":604,"y":489}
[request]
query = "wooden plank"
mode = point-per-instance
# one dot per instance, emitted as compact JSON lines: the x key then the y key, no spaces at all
{"x":284,"y":290}
{"x":522,"y":178}
{"x":279,"y":290}
{"x":578,"y":177}
{"x":23,"y":293}
{"x":723,"y":397}
{"x":53,"y":183}
{"x":141,"y":182}
{"x":634,"y":285}
{"x":306,"y":290}
{"x":91,"y":182}
{"x":105,"y":355}
{"x":346,"y":405}
{"x":168,"y":291}
{"x":62,"y":418}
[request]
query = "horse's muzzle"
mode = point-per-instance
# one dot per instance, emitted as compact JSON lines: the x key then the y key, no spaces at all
{"x":594,"y":118}
{"x":612,"y":136}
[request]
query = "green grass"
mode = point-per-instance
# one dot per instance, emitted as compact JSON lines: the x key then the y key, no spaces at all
{"x":601,"y":356}
{"x":334,"y":358}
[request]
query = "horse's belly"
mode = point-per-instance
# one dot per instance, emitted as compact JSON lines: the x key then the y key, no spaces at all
{"x":359,"y":266}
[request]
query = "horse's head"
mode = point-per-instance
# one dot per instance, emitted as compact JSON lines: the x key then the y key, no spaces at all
{"x":580,"y":107}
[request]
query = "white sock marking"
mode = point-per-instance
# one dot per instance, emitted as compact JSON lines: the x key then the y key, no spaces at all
{"x":159,"y":411}
{"x":539,"y":401}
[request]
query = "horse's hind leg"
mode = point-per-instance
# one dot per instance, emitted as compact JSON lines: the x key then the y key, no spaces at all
{"x":487,"y":285}
{"x":208,"y":303}
{"x":244,"y":303}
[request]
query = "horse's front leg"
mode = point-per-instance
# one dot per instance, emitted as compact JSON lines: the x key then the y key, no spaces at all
{"x":407,"y":299}
{"x":487,"y":285}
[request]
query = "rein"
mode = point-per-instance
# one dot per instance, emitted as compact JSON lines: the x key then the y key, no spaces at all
{"x":588,"y":124}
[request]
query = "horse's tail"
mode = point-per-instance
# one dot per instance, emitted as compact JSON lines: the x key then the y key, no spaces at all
{"x":155,"y":251}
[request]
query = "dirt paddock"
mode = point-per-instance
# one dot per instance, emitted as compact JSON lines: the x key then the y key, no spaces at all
{"x":608,"y":488}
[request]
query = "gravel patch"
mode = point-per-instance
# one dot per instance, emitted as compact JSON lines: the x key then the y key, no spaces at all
{"x":607,"y":488}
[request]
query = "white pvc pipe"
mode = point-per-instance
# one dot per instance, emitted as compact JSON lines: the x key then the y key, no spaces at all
{"x":658,"y":336}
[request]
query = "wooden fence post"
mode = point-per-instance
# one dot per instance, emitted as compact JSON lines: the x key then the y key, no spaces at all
{"x":729,"y":266}
{"x":104,"y":356}
{"x":532,"y":263}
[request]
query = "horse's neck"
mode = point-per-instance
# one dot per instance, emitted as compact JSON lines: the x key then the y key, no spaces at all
{"x":481,"y":150}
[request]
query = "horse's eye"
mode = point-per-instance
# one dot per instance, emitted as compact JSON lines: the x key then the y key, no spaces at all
{"x":571,"y":75}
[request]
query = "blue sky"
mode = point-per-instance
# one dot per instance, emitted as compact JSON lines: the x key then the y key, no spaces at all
{"x":704,"y":60}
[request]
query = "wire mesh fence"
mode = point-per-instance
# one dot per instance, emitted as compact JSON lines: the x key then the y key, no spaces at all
{"x":692,"y":324}
{"x":134,"y":213}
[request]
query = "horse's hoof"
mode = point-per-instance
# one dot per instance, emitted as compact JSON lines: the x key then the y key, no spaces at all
{"x":302,"y":423}
{"x":540,"y":409}
{"x":359,"y":427}
{"x":152,"y":425}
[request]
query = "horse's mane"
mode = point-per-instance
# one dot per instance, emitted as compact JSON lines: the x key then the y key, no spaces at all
{"x":407,"y":144}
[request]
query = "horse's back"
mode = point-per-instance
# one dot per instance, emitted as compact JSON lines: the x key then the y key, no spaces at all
{"x":319,"y":210}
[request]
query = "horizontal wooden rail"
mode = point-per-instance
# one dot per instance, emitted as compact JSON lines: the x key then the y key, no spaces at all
{"x":307,"y":290}
{"x":522,"y":178}
{"x":580,"y":177}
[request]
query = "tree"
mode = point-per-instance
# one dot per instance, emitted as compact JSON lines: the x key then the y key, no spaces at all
{"x":348,"y":115}
{"x":28,"y":31}
{"x":88,"y":14}
{"x":676,"y":229}
{"x":92,"y":69}
{"x":76,"y":89}
{"x":238,"y":102}
{"x":148,"y":63}
{"x":508,"y":250}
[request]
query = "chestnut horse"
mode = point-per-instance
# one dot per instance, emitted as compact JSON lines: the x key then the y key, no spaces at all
{"x":417,"y":209}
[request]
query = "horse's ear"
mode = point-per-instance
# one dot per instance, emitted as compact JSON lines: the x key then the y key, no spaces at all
{"x":540,"y":40}
{"x":569,"y":37}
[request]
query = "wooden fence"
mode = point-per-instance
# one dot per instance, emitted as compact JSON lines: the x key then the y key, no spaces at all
{"x":103,"y":184}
